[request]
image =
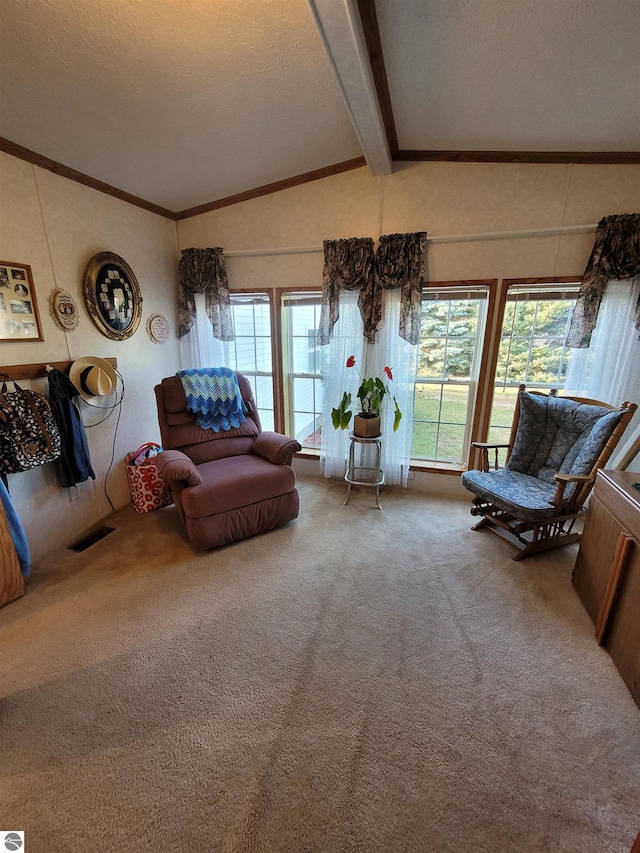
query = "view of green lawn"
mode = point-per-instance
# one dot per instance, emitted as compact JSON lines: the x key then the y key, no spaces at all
{"x":440,"y":415}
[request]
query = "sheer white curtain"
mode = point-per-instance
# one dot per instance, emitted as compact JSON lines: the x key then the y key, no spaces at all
{"x":199,"y":348}
{"x":609,"y":370}
{"x":390,"y":350}
{"x":347,"y":339}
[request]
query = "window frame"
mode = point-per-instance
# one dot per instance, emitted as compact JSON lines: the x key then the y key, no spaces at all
{"x":268,"y":292}
{"x":491,"y":284}
{"x":283,"y":392}
{"x":481,"y":427}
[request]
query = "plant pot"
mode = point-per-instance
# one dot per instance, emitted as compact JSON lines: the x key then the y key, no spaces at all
{"x":366,"y":426}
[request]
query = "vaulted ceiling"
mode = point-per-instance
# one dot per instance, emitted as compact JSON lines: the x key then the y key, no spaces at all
{"x":183,"y":103}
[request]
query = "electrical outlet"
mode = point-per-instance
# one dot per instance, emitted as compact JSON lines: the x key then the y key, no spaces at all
{"x":74,"y":493}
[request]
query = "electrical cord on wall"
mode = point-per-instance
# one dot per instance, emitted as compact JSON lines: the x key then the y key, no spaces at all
{"x":111,"y":408}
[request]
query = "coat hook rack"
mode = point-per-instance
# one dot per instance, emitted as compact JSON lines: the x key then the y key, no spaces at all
{"x":40,"y":370}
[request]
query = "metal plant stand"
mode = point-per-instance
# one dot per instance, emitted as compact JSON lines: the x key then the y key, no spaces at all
{"x":364,"y":474}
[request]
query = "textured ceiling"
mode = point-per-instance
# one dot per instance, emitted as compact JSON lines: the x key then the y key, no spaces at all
{"x":175,"y":102}
{"x":541,"y":75}
{"x":182,"y":102}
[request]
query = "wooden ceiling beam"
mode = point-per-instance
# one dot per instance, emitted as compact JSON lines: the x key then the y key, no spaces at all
{"x":342,"y":32}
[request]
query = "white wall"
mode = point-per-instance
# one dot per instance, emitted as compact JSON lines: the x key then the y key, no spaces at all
{"x":440,"y":198}
{"x":56,"y":226}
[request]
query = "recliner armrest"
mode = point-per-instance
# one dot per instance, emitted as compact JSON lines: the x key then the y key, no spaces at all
{"x":276,"y":448}
{"x":176,"y":465}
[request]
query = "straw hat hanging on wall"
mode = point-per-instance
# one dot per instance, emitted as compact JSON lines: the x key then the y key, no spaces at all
{"x":94,"y":378}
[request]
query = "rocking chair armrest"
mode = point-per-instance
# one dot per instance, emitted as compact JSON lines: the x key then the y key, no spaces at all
{"x":484,"y":447}
{"x":481,"y":445}
{"x":563,"y":480}
{"x":573,"y":478}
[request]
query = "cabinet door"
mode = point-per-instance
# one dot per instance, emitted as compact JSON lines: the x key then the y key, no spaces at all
{"x":622,"y":639}
{"x":596,"y":555}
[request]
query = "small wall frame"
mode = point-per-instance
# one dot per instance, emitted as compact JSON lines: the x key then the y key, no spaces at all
{"x":19,"y":318}
{"x":112,"y":296}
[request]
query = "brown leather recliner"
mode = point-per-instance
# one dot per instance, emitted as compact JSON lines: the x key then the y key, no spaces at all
{"x":226,"y":485}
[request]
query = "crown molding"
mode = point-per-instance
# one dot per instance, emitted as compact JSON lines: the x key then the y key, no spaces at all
{"x":595,"y":157}
{"x":79,"y":177}
{"x":277,"y":186}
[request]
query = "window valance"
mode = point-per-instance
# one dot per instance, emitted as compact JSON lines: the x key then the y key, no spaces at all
{"x":350,"y":264}
{"x":400,"y":264}
{"x":615,"y":255}
{"x":204,"y":271}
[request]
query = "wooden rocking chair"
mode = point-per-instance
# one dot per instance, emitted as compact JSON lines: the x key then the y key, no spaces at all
{"x":556,"y":447}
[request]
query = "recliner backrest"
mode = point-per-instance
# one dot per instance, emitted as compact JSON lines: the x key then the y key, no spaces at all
{"x":559,"y":435}
{"x":179,"y":430}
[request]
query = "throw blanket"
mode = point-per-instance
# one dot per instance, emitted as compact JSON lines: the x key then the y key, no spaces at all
{"x":213,"y":394}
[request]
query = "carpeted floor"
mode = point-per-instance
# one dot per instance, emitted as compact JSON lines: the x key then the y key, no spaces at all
{"x":357,"y":681}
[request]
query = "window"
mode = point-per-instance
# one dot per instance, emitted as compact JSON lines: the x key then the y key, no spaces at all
{"x":250,"y":352}
{"x":453,"y":382}
{"x":302,"y":366}
{"x":532,"y":346}
{"x":446,"y":383}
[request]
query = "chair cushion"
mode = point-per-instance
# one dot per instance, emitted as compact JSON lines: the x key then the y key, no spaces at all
{"x":523,"y":496}
{"x":235,"y":482}
{"x":559,"y":435}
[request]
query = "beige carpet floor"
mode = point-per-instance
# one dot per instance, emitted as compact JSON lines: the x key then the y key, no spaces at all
{"x":356,"y":681}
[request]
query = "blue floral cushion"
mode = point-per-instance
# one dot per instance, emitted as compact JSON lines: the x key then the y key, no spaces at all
{"x":558,"y":435}
{"x":524,"y":496}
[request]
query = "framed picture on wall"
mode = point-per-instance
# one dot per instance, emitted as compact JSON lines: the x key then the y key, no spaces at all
{"x":19,"y":318}
{"x":112,"y":296}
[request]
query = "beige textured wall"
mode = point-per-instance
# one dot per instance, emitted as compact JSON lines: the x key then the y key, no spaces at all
{"x":440,"y":198}
{"x":56,"y":226}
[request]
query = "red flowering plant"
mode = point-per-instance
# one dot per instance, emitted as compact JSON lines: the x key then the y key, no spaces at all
{"x":371,"y":393}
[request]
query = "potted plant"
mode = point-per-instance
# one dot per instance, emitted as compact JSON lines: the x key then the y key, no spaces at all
{"x":371,"y":394}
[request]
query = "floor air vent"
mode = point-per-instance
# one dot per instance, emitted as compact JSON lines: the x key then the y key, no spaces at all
{"x":91,"y":539}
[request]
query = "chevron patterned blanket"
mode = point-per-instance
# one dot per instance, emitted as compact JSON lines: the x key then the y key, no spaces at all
{"x":213,"y":394}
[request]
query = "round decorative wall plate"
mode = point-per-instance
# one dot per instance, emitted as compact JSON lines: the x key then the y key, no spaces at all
{"x":112,"y":296}
{"x":63,"y":310}
{"x":158,"y":328}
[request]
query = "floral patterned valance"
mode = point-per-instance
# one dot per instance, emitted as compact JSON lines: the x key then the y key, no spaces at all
{"x":615,"y":256}
{"x":349,"y":265}
{"x":204,"y":271}
{"x":400,"y":264}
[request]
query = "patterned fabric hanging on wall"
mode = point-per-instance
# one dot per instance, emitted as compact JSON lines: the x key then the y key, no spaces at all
{"x":399,"y":263}
{"x":204,"y":271}
{"x":348,"y":265}
{"x":615,"y":256}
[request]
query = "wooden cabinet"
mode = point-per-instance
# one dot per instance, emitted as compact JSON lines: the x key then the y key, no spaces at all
{"x":607,"y":571}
